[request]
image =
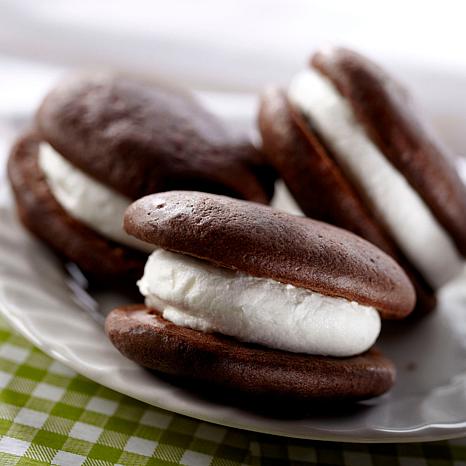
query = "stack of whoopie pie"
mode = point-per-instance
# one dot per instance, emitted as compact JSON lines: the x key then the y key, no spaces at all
{"x":101,"y":141}
{"x":349,"y":144}
{"x":239,"y":295}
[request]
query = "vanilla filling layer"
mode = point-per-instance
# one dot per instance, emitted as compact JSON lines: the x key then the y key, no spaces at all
{"x":192,"y":293}
{"x":87,"y":200}
{"x":391,"y":198}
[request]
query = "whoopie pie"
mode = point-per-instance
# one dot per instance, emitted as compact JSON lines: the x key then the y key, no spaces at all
{"x":258,"y":301}
{"x":352,"y":149}
{"x":101,"y":141}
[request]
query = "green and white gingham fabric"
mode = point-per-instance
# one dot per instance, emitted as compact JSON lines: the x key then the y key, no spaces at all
{"x":51,"y":415}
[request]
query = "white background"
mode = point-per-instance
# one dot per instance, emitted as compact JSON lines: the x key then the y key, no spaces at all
{"x":230,"y":46}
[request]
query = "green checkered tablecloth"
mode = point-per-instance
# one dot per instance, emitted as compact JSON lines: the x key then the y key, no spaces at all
{"x":51,"y":415}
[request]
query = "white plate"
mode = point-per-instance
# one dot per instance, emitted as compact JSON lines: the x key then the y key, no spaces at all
{"x":427,"y":403}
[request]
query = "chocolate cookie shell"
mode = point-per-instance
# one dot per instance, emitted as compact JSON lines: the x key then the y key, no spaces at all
{"x":140,"y":139}
{"x":264,"y":242}
{"x":153,"y":342}
{"x":100,"y":258}
{"x":320,"y":187}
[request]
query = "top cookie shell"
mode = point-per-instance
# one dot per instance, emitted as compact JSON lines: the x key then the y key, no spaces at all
{"x":140,"y":139}
{"x":392,"y":122}
{"x":265,"y":242}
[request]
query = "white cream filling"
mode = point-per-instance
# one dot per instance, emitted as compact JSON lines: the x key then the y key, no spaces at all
{"x":192,"y":293}
{"x":87,"y":200}
{"x":391,"y":198}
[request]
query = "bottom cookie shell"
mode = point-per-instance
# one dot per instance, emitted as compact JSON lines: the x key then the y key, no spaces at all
{"x":146,"y":338}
